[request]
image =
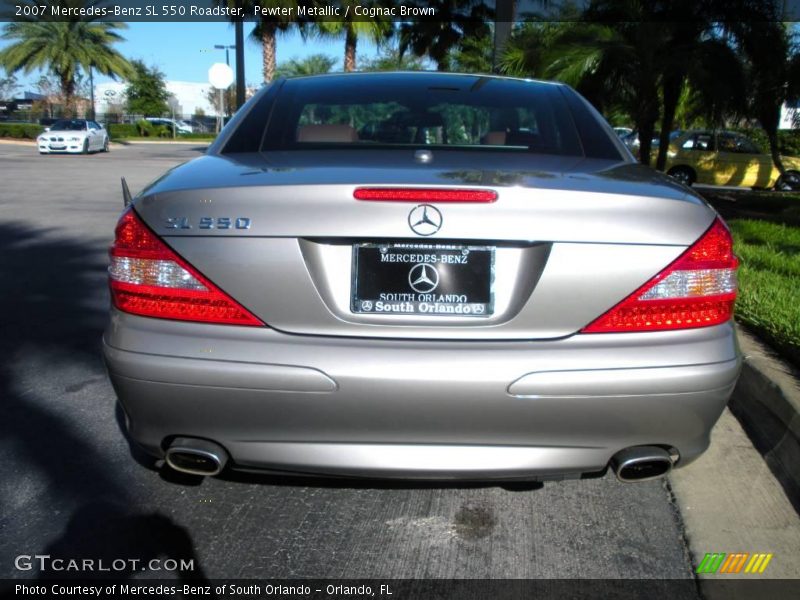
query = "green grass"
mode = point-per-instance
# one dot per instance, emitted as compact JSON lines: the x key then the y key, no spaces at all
{"x":769,"y":282}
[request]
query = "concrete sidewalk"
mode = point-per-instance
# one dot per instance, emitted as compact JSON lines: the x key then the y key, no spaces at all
{"x":739,"y":495}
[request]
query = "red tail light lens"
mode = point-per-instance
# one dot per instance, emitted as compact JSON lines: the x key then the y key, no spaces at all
{"x":697,"y":290}
{"x":424,"y":195}
{"x":148,"y":278}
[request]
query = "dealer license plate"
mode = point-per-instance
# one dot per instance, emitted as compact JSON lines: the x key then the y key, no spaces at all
{"x":423,"y":279}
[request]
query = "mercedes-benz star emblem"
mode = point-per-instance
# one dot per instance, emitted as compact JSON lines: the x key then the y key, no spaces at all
{"x":423,"y":278}
{"x":425,"y":219}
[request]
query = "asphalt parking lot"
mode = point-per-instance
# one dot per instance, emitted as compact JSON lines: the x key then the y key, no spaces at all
{"x":69,"y":485}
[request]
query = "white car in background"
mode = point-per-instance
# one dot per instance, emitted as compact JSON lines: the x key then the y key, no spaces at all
{"x":75,"y":136}
{"x":180,"y":126}
{"x":623,"y":131}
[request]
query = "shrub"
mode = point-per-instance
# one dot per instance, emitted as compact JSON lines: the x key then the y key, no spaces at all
{"x":27,"y":131}
{"x":788,"y":140}
{"x":145,"y":128}
{"x":122,"y":130}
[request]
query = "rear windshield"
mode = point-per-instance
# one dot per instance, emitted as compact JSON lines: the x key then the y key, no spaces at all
{"x":442,"y":112}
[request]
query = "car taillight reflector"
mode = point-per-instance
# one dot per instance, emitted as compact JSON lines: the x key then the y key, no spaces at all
{"x":697,"y":290}
{"x":148,"y":278}
{"x":424,"y":195}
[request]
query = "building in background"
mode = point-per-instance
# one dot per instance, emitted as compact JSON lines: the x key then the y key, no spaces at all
{"x":187,"y":98}
{"x":790,"y":115}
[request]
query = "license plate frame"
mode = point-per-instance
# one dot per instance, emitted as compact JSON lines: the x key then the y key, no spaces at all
{"x":423,"y":280}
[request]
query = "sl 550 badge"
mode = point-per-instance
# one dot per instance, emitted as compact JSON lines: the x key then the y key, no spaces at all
{"x":209,"y":223}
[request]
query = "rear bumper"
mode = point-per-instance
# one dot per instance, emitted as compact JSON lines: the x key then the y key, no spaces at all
{"x":419,"y":409}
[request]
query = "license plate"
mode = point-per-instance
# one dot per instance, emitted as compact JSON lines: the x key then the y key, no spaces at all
{"x":423,"y":279}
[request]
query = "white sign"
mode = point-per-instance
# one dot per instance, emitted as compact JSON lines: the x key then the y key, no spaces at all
{"x":220,"y":76}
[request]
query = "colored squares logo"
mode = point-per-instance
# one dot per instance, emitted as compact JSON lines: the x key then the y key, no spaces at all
{"x":737,"y":562}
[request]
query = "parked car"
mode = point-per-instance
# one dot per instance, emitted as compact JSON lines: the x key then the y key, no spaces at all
{"x":197,"y":126}
{"x":632,"y":141}
{"x":728,"y":158}
{"x":73,"y":136}
{"x":171,"y":125}
{"x":623,"y":131}
{"x":516,"y":299}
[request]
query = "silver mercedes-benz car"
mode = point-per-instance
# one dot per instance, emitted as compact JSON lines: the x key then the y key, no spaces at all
{"x":421,"y":275}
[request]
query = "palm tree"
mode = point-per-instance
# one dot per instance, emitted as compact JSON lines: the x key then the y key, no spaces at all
{"x":456,"y":21}
{"x":390,"y":59}
{"x":311,"y":65}
{"x":267,"y":30}
{"x":628,"y":56}
{"x":352,"y":28}
{"x":63,"y":48}
{"x":268,"y":27}
{"x":613,"y":64}
{"x":772,"y":67}
{"x":704,"y":72}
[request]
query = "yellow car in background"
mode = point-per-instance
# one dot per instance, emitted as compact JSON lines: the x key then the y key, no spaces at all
{"x":727,"y":158}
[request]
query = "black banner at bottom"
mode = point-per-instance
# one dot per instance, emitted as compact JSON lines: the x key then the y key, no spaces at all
{"x":403,"y":589}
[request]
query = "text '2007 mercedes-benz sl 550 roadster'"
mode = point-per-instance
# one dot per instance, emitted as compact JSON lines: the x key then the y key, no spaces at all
{"x":421,"y":275}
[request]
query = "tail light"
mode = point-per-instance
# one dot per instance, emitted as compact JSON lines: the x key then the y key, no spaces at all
{"x":697,"y":290}
{"x":149,"y":279}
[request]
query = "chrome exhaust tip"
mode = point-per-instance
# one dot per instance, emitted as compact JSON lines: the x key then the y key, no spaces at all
{"x":196,"y":457}
{"x":641,"y":463}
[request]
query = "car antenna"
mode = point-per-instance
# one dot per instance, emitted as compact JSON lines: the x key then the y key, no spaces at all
{"x":126,"y":193}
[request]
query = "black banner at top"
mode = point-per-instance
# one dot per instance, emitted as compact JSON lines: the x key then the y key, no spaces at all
{"x":298,"y":11}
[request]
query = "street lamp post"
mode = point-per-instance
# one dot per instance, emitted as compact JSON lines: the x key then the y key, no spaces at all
{"x":91,"y":86}
{"x":239,"y":26}
{"x":227,"y":49}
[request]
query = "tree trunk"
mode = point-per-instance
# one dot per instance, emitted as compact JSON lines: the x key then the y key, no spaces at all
{"x":646,"y":118}
{"x":68,"y":93}
{"x":671,"y":89}
{"x":268,"y":33}
{"x":350,"y":42}
{"x":772,"y":136}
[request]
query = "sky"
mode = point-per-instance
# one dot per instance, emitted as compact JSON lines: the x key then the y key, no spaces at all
{"x":185,"y":51}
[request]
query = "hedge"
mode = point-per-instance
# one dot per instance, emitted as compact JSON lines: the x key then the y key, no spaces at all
{"x":122,"y":130}
{"x":788,"y":140}
{"x":29,"y":131}
{"x":20,"y":131}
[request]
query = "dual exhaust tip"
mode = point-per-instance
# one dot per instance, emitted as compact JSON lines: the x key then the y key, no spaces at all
{"x":196,"y":456}
{"x":641,"y":463}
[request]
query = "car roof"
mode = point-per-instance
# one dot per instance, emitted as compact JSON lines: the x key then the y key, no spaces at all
{"x":433,"y":76}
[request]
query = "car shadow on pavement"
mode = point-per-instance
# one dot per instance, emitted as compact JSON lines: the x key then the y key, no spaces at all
{"x":57,"y":468}
{"x":359,"y":483}
{"x":120,"y":544}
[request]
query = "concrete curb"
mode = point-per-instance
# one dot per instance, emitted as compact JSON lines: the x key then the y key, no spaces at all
{"x":767,"y":403}
{"x":167,"y":142}
{"x":17,"y":142}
